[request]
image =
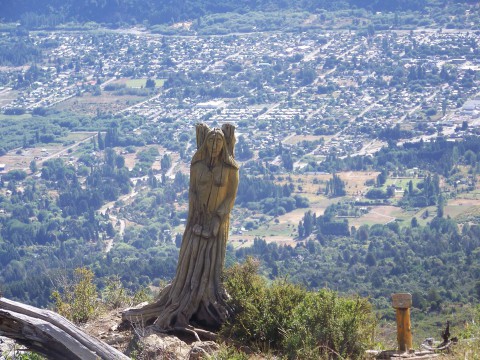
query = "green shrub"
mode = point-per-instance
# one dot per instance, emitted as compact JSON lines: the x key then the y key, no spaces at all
{"x":229,"y":353}
{"x":288,"y":319}
{"x":78,"y":301}
{"x":326,"y":325}
{"x":116,"y":296}
{"x":469,"y":344}
{"x":23,"y":355}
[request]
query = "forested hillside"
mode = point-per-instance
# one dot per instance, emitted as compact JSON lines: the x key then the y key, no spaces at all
{"x":54,"y":12}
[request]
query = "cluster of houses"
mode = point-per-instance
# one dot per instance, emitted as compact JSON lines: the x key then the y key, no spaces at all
{"x":356,"y":71}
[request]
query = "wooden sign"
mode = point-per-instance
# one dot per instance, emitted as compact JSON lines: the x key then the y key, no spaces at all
{"x":402,"y":301}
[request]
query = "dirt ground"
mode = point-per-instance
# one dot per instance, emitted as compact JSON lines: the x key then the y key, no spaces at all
{"x":297,"y":138}
{"x":6,"y":97}
{"x":89,"y":105}
{"x":239,"y":241}
{"x":14,"y":161}
{"x":377,"y":215}
{"x":314,"y":183}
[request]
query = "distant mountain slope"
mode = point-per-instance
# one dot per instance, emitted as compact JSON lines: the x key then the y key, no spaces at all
{"x":165,"y":11}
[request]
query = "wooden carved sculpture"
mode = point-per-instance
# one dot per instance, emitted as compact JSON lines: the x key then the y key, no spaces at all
{"x":196,"y":296}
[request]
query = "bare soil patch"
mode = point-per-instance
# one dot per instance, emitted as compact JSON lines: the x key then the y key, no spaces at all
{"x":315,"y":183}
{"x":90,"y":105}
{"x":298,"y":138}
{"x":459,"y":208}
{"x":6,"y":97}
{"x":247,"y":240}
{"x":377,"y":215}
{"x":22,"y":160}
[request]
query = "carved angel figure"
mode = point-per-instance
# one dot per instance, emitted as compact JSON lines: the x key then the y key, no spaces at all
{"x":196,"y":296}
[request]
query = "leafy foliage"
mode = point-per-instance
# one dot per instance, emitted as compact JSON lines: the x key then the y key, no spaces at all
{"x":335,"y":186}
{"x":77,"y":301}
{"x":287,"y":318}
{"x":435,"y":262}
{"x":18,"y":52}
{"x":326,"y":325}
{"x":21,"y":354}
{"x":263,"y":194}
{"x":230,"y":353}
{"x":116,"y":296}
{"x":34,"y":15}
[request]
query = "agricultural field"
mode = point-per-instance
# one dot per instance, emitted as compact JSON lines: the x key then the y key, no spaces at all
{"x":105,"y":103}
{"x":463,"y":209}
{"x":15,"y":117}
{"x":283,"y":229}
{"x":126,"y":92}
{"x":19,"y":159}
{"x":140,"y":83}
{"x":6,"y":97}
{"x":295,"y":139}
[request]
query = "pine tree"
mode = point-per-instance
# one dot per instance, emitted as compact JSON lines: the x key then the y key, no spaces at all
{"x":33,"y":166}
{"x":301,"y":230}
{"x":308,"y":223}
{"x":101,"y":143}
{"x":165,"y":163}
{"x":111,"y":137}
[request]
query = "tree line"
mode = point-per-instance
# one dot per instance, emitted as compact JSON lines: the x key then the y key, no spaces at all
{"x":435,"y":262}
{"x":37,"y":14}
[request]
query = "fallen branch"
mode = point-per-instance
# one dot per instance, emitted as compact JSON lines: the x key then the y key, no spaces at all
{"x":441,"y":347}
{"x":50,"y":334}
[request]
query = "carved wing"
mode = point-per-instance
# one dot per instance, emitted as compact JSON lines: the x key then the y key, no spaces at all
{"x":202,"y":131}
{"x":229,"y":133}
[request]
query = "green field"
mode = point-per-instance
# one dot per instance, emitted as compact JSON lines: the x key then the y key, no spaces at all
{"x":139,"y":83}
{"x":15,"y":117}
{"x":77,"y":136}
{"x":402,"y":182}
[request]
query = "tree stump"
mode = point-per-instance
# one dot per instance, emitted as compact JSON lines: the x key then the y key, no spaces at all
{"x":196,"y":297}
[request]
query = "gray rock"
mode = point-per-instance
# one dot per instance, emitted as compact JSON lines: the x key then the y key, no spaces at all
{"x":202,"y":350}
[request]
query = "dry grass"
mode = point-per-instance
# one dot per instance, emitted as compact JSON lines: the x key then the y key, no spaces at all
{"x":88,"y":104}
{"x":7,"y":97}
{"x":461,"y":208}
{"x":377,"y":215}
{"x":140,"y":83}
{"x":130,"y":159}
{"x":294,"y":217}
{"x":22,"y":161}
{"x":239,"y":241}
{"x":298,"y":138}
{"x":314,"y":184}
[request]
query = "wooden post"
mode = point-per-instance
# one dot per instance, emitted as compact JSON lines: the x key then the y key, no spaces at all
{"x":402,"y":303}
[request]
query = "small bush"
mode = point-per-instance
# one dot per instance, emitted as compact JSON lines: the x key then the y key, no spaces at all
{"x":469,"y":344}
{"x":115,"y":295}
{"x":286,"y":318}
{"x":78,"y":301}
{"x":229,"y":353}
{"x":326,"y":325}
{"x":261,"y":312}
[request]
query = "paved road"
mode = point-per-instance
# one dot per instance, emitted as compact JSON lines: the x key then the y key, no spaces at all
{"x":4,"y":91}
{"x":111,"y":205}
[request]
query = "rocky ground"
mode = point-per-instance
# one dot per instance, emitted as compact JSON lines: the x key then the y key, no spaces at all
{"x":136,"y":342}
{"x":141,"y":343}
